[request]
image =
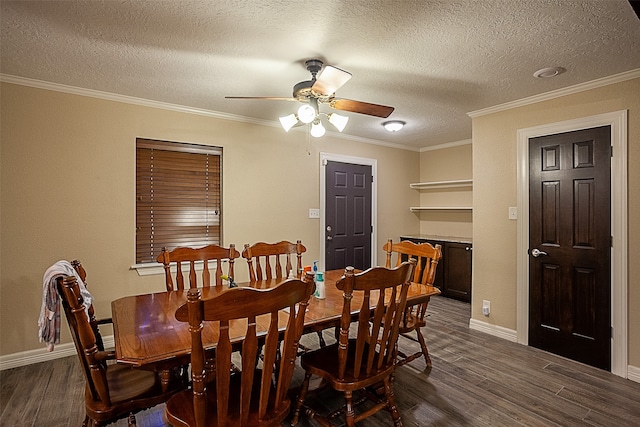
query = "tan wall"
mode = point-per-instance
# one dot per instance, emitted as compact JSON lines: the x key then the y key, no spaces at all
{"x":494,"y":175}
{"x":446,"y":164}
{"x":68,"y":191}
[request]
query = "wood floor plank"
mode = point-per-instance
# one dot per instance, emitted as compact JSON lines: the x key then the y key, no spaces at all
{"x":512,"y":410}
{"x":24,"y":402}
{"x":62,"y":376}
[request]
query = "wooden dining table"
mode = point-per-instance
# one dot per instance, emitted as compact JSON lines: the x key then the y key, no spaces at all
{"x":148,"y":335}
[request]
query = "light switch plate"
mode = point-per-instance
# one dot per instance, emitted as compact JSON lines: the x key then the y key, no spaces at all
{"x":314,"y":213}
{"x":513,"y":213}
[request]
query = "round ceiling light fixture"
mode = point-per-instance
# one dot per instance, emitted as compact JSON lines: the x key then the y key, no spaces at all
{"x":545,"y":73}
{"x":394,"y":125}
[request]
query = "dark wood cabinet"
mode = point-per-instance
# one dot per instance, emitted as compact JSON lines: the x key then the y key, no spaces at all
{"x":453,"y":276}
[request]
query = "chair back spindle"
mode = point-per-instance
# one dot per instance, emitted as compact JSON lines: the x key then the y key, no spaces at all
{"x":427,"y":257}
{"x":268,"y":261}
{"x":186,"y":258}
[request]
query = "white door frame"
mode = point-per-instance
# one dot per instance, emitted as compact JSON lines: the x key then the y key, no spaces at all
{"x":619,"y":227}
{"x":324,"y":158}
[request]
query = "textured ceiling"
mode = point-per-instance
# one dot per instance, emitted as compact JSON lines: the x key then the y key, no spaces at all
{"x":434,"y":61}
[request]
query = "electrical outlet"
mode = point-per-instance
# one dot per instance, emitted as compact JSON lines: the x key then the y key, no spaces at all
{"x":513,"y":213}
{"x":314,"y":213}
{"x":486,"y":307}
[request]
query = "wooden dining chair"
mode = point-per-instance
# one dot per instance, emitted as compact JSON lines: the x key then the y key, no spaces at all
{"x":186,"y":258}
{"x":253,"y":397}
{"x":112,"y":391}
{"x":353,"y":364}
{"x":427,"y":257}
{"x":274,"y":260}
{"x":267,"y":260}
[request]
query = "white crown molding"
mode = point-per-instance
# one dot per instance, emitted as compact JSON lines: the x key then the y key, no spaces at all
{"x":570,"y":90}
{"x":57,"y":87}
{"x":108,"y":96}
{"x":447,"y":145}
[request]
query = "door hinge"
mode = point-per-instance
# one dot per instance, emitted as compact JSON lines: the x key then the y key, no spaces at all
{"x":324,"y":162}
{"x":611,"y":150}
{"x":611,"y":241}
{"x":612,"y":332}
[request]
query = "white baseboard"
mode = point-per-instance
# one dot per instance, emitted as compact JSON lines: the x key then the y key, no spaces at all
{"x":633,"y":373}
{"x":498,"y":331}
{"x":30,"y":357}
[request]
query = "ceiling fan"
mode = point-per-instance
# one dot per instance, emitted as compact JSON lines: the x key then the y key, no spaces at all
{"x":321,"y":90}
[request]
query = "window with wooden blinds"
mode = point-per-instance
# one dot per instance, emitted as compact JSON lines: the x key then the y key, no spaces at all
{"x":178,"y":196}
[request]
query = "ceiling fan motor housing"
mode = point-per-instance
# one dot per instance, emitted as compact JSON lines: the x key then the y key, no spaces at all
{"x":302,"y":91}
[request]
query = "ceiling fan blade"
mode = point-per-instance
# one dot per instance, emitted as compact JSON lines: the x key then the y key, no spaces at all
{"x":270,"y":98}
{"x":361,"y":107}
{"x":329,"y":80}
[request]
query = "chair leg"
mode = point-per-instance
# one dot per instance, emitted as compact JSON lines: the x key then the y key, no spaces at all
{"x":423,"y":345}
{"x":321,"y":339}
{"x":304,"y":388}
{"x":132,"y":420}
{"x":393,"y":408}
{"x":349,"y":412}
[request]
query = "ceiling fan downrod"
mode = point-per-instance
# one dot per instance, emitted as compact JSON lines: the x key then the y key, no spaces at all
{"x":313,"y":66}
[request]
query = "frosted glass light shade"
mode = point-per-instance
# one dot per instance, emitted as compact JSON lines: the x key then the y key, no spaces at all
{"x":338,"y":121}
{"x":306,"y":113}
{"x":288,"y":121}
{"x":393,"y":125}
{"x":317,"y":130}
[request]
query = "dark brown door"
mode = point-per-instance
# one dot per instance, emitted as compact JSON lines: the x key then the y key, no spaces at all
{"x":570,"y":245}
{"x":348,"y":215}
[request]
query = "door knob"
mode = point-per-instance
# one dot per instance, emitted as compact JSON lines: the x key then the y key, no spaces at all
{"x":537,"y":252}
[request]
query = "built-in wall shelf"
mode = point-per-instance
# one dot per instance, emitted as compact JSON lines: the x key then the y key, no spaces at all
{"x":440,"y":208}
{"x":442,"y":184}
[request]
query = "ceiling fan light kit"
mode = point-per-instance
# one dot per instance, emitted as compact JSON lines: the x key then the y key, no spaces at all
{"x":393,"y":125}
{"x":317,"y":130}
{"x":338,"y":121}
{"x":288,"y":121}
{"x":306,"y":113}
{"x":321,"y":90}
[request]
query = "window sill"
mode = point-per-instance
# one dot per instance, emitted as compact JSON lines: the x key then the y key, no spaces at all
{"x":148,"y":269}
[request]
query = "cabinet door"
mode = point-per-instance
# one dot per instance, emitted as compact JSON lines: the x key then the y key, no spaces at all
{"x":457,"y":271}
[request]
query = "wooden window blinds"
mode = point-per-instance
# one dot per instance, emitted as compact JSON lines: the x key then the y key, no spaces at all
{"x":178,"y":196}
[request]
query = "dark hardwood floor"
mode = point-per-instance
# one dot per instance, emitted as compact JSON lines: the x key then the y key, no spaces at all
{"x":476,"y":380}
